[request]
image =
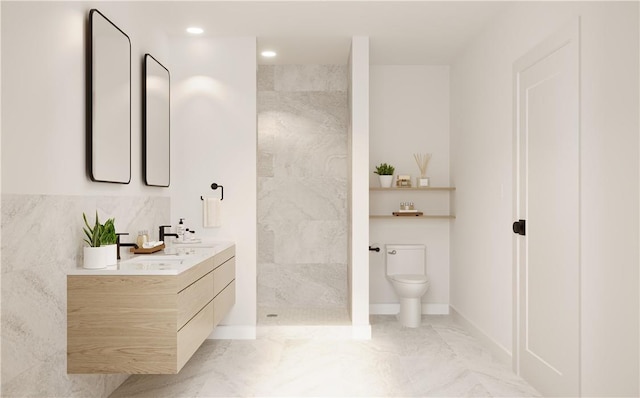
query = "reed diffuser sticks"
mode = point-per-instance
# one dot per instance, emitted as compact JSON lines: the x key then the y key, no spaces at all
{"x":423,"y":161}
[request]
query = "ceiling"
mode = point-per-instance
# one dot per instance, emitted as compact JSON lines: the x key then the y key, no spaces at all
{"x":319,"y":32}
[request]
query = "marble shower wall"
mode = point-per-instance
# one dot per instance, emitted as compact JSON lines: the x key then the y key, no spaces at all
{"x":302,"y":186}
{"x":41,"y":241}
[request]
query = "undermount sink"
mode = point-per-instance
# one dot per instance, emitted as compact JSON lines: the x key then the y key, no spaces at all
{"x":152,"y":263}
{"x":195,"y":243}
{"x":158,"y":257}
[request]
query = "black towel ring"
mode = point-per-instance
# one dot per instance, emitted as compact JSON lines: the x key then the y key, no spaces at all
{"x":215,"y":186}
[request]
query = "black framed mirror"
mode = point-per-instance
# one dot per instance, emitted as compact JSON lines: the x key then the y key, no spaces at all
{"x":156,"y":123}
{"x":108,"y":101}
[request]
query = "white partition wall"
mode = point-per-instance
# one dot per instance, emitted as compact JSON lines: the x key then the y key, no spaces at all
{"x":358,"y":192}
{"x":214,"y":140}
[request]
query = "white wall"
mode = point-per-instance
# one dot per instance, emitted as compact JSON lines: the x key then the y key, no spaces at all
{"x":410,"y":114}
{"x":481,"y":159}
{"x":43,"y":123}
{"x":358,"y":192}
{"x":214,"y":139}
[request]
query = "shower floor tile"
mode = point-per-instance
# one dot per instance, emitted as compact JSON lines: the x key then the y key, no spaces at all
{"x":268,"y":316}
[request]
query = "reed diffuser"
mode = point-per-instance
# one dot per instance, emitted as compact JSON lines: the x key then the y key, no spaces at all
{"x":422,"y":159}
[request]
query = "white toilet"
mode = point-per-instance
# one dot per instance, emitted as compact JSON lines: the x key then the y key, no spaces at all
{"x":406,"y":269}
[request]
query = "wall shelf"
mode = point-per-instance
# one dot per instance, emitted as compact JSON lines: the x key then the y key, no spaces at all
{"x":444,"y":216}
{"x":412,"y":189}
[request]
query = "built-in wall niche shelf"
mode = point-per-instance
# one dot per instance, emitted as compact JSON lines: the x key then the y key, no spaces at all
{"x":412,"y":189}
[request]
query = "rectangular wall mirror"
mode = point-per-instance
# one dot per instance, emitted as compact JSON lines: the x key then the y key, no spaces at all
{"x":108,"y":101}
{"x":156,"y":122}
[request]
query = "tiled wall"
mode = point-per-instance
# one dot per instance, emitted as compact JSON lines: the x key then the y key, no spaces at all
{"x":41,"y":241}
{"x":302,"y":186}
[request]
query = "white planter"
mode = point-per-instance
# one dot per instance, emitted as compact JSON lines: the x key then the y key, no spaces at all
{"x":112,"y":254}
{"x":95,"y":257}
{"x":385,"y":181}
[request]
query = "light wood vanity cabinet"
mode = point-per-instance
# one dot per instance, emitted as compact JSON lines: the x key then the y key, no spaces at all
{"x":149,"y":324}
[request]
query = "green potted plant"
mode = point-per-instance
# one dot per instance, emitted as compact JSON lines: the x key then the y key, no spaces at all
{"x":108,"y":240}
{"x":95,"y":254}
{"x":385,"y":174}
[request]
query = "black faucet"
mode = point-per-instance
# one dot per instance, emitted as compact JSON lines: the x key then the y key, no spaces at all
{"x":163,"y":234}
{"x":118,"y":244}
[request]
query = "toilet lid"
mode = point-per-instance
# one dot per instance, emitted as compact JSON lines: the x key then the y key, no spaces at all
{"x":410,"y":278}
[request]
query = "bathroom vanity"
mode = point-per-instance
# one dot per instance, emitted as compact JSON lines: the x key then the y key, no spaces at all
{"x":149,"y":314}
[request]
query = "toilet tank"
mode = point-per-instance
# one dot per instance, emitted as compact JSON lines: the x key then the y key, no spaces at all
{"x":406,"y":259}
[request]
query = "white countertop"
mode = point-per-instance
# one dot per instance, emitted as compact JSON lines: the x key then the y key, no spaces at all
{"x":179,"y":259}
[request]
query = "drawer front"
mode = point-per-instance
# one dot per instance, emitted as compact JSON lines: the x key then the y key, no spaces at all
{"x":223,"y":275}
{"x":224,"y":255}
{"x":223,"y":303}
{"x":194,"y":333}
{"x":194,"y":273}
{"x":193,"y":298}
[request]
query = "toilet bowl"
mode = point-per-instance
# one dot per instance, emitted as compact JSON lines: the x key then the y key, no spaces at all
{"x":406,"y":270}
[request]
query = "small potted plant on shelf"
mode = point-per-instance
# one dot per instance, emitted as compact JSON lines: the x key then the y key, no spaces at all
{"x":95,"y":255}
{"x":385,"y":174}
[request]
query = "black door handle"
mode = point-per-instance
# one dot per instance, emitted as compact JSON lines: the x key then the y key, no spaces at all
{"x":520,"y":227}
{"x":374,"y":249}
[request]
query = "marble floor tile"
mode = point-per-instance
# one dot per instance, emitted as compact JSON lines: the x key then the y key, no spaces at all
{"x":437,"y":359}
{"x":187,"y":383}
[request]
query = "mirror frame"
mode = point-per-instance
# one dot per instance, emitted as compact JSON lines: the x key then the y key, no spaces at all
{"x":92,"y":128}
{"x":145,"y":125}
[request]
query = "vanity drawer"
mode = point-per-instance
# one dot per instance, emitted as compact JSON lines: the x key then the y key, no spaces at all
{"x":223,"y":302}
{"x":194,"y":297}
{"x":196,"y":272}
{"x":191,"y":336}
{"x":224,"y":256}
{"x":223,"y":275}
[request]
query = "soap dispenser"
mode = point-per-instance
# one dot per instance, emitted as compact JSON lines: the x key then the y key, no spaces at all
{"x":180,"y":229}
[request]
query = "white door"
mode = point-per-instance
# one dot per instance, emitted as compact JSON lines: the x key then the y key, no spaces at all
{"x":547,"y":255}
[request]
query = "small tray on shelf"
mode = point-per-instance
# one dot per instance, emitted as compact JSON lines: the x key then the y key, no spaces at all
{"x":429,"y":188}
{"x":407,"y":213}
{"x":141,"y":250}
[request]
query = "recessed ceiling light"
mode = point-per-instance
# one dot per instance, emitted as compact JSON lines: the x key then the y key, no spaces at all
{"x":195,"y":30}
{"x":268,"y":54}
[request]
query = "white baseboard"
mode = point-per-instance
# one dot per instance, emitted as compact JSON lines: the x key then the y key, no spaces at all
{"x":393,"y":309}
{"x":361,"y":332}
{"x":498,"y":350}
{"x":224,"y":332}
{"x":318,"y":332}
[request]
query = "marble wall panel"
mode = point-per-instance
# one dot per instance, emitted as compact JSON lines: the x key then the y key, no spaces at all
{"x":301,"y":199}
{"x":305,"y":285}
{"x":265,"y":243}
{"x":302,"y":185}
{"x":302,"y":113}
{"x":42,"y":240}
{"x":265,"y":77}
{"x":311,"y":242}
{"x":265,"y":164}
{"x":310,"y":78}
